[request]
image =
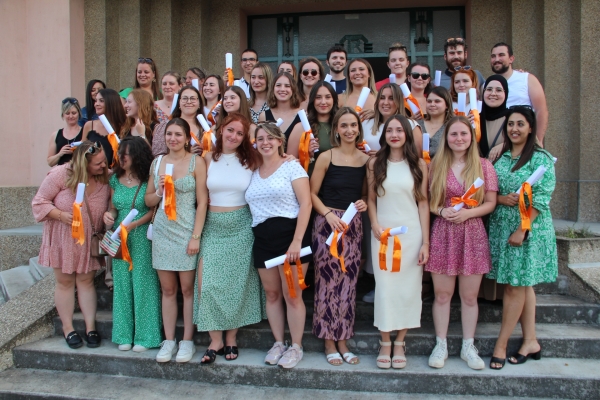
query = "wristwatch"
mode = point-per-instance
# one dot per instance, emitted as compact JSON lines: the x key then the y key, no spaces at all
{"x":196,"y":237}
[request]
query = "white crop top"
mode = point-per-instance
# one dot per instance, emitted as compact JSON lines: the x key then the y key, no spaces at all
{"x":227,"y":181}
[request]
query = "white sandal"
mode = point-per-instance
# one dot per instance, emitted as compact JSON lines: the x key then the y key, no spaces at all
{"x":399,"y":362}
{"x":334,"y":356}
{"x":386,"y":361}
{"x":349,"y":356}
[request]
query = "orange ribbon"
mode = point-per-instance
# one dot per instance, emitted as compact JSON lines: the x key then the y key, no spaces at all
{"x":206,"y":142}
{"x":426,"y":157}
{"x":229,"y":77}
{"x":414,"y":101}
{"x":193,"y":135}
{"x":334,"y":248}
{"x":397,"y":258}
{"x":287,"y":270}
{"x":358,"y":109}
{"x":124,"y":249}
{"x":77,"y":230}
{"x":523,"y":209}
{"x":213,"y":112}
{"x":477,"y":120}
{"x":112,"y":140}
{"x":459,"y":113}
{"x":361,"y":145}
{"x":170,"y":203}
{"x":303,"y":149}
{"x":466,"y":198}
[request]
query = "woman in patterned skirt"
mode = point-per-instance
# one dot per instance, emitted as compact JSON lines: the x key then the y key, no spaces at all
{"x":337,"y":181}
{"x":176,"y":242}
{"x":459,"y":244}
{"x":520,"y":258}
{"x":136,"y":299}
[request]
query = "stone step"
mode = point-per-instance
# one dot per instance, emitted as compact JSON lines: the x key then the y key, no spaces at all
{"x":550,"y":377}
{"x":14,"y":281}
{"x":557,"y":340}
{"x":37,"y":270}
{"x":551,"y":308}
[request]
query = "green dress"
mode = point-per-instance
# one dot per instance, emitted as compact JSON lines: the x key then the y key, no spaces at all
{"x":137,"y":314}
{"x":536,"y":261}
{"x":324,"y":143}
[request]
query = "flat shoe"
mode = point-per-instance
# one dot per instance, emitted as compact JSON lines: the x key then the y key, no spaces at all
{"x":93,"y":339}
{"x":521,"y":359}
{"x":212,"y":355}
{"x":231,"y":350}
{"x":496,"y":360}
{"x":74,"y":340}
{"x":334,"y":356}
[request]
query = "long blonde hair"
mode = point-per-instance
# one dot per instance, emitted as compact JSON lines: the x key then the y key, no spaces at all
{"x":442,"y":162}
{"x":78,"y":167}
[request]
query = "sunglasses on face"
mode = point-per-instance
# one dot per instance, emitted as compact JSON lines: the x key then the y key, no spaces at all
{"x":415,"y":75}
{"x":71,"y":100}
{"x":313,"y":72}
{"x":465,"y":68}
{"x":251,"y":59}
{"x":145,"y":60}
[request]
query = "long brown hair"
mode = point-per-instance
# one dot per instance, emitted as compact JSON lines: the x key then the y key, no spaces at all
{"x":411,"y":155}
{"x":294,"y":100}
{"x":146,"y":113}
{"x":370,"y":80}
{"x":78,"y":172}
{"x":303,"y":62}
{"x":248,"y":156}
{"x":398,"y":101}
{"x":334,"y":136}
{"x":244,"y":107}
{"x":311,"y":111}
{"x":200,"y":110}
{"x":267,"y":73}
{"x":157,"y":94}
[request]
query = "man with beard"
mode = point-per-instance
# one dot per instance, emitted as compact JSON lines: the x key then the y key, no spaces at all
{"x":455,"y":55}
{"x":336,"y":61}
{"x":523,"y":87}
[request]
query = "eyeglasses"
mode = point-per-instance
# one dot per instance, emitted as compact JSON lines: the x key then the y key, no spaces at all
{"x":71,"y":100}
{"x":457,"y":40}
{"x":250,"y":59}
{"x":93,"y":149}
{"x":313,"y":72}
{"x":415,"y":75}
{"x":145,"y":60}
{"x":189,"y":99}
{"x":464,"y":68}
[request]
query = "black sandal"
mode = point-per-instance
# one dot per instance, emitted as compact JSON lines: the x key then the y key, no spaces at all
{"x":521,"y":359}
{"x":74,"y":340}
{"x":212,"y":355}
{"x":93,"y":339}
{"x":496,"y":360}
{"x":229,"y":350}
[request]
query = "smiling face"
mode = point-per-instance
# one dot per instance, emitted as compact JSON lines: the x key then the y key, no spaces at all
{"x":323,"y":101}
{"x":347,"y":128}
{"x":462,"y":83}
{"x":419,"y":82}
{"x":71,"y":116}
{"x":500,"y":60}
{"x":189,"y":102}
{"x":395,"y":135}
{"x":310,"y":74}
{"x":249,"y":60}
{"x":459,"y":137}
{"x":231,"y":101}
{"x":518,"y":129}
{"x":169,"y":85}
{"x":211,"y":89}
{"x":337,"y":62}
{"x":266,"y":144}
{"x":494,"y":94}
{"x":359,"y":74}
{"x":283,"y":89}
{"x":131,"y":107}
{"x":144,"y":75}
{"x":233,"y":135}
{"x":189,"y":76}
{"x":125,"y":159}
{"x":258,"y":81}
{"x":398,"y":62}
{"x":455,"y":56}
{"x":386,"y":106}
{"x":435,"y":105}
{"x":99,"y":104}
{"x":175,"y":137}
{"x":96,"y":163}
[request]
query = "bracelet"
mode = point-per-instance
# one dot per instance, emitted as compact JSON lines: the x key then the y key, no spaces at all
{"x":156,"y":193}
{"x":60,"y":215}
{"x":441,"y":211}
{"x":196,"y":237}
{"x":324,"y":215}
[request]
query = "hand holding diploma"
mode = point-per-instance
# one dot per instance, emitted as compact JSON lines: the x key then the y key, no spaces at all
{"x":410,"y":102}
{"x":128,"y":219}
{"x":277,"y":261}
{"x":534,"y":178}
{"x":303,"y":147}
{"x":112,"y":137}
{"x":465,"y":199}
{"x":383,"y":246}
{"x":362,"y":99}
{"x":77,"y":228}
{"x":287,"y":269}
{"x":207,"y":136}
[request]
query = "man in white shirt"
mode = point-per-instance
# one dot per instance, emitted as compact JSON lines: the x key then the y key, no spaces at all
{"x":248,"y":61}
{"x":337,"y":56}
{"x":523,"y":87}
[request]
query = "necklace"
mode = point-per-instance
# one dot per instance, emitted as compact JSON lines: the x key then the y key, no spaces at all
{"x":392,"y":160}
{"x":129,"y":179}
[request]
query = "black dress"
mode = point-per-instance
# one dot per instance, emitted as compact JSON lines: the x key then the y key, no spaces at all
{"x":269,"y":117}
{"x":61,"y":141}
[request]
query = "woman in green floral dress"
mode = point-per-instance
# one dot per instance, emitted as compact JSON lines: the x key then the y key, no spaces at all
{"x":136,"y":303}
{"x":521,"y":258}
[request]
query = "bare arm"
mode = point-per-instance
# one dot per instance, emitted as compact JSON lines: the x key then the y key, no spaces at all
{"x":423,"y":207}
{"x":316,"y":180}
{"x":152,"y":196}
{"x":86,"y":129}
{"x":301,"y":188}
{"x":538,"y":101}
{"x":372,"y":200}
{"x":418,"y":137}
{"x":202,"y":205}
{"x":54,"y":154}
{"x":294,"y":140}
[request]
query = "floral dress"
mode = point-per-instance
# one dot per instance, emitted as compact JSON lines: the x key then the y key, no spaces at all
{"x":536,"y":261}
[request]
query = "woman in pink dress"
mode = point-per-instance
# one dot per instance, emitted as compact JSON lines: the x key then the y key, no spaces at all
{"x":72,"y":263}
{"x":459,"y":243}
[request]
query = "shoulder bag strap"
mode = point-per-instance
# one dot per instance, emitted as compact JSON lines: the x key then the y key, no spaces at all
{"x":87,"y":207}
{"x":497,"y":136}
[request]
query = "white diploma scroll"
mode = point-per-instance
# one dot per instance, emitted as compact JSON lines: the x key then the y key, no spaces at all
{"x":535,"y":177}
{"x":366,"y":147}
{"x":168,"y":171}
{"x":75,"y":144}
{"x":554,"y":160}
{"x":279,"y":122}
{"x":438,"y":78}
{"x":473,"y":99}
{"x":462,"y":103}
{"x":414,"y":108}
{"x":203,"y":122}
{"x":304,"y":120}
{"x":347,"y":218}
{"x":313,"y":138}
{"x":477,"y":184}
{"x":193,"y":142}
{"x":392,"y":78}
{"x":107,"y":126}
{"x":175,"y":100}
{"x":479,"y":106}
{"x":213,"y":138}
{"x":398,"y":231}
{"x":228,"y":60}
{"x":132,"y":214}
{"x":426,"y":142}
{"x":196,"y":84}
{"x":362,"y":98}
{"x":80,"y":192}
{"x":328,"y":78}
{"x":274,"y":262}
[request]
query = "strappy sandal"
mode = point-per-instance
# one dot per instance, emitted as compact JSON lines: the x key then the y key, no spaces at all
{"x":399,"y":362}
{"x":349,"y":356}
{"x":231,"y":350}
{"x":334,"y":356}
{"x":212,"y":355}
{"x":386,"y":361}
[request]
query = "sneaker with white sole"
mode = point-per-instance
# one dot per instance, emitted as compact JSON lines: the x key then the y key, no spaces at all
{"x":125,"y":347}
{"x":186,"y":351}
{"x":291,"y":357}
{"x":139,"y":348}
{"x":470,"y":354}
{"x":439,"y":354}
{"x":369,"y":297}
{"x":274,"y":355}
{"x":168,"y":348}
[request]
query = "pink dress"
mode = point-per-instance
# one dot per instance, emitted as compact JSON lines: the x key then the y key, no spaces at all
{"x":461,"y":249}
{"x":59,"y":249}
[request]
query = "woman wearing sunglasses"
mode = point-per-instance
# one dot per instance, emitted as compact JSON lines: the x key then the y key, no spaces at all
{"x":72,"y":261}
{"x":145,"y":78}
{"x":59,"y":149}
{"x":311,"y":72}
{"x":419,"y":79}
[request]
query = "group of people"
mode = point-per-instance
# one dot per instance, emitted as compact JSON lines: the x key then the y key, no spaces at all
{"x":212,"y":170}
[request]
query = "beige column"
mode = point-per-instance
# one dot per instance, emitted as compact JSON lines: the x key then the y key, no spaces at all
{"x":193,"y":27}
{"x":95,"y":39}
{"x":129,"y":40}
{"x":490,"y":24}
{"x":527,"y":27}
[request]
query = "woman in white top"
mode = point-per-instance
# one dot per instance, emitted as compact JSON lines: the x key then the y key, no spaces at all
{"x":229,"y":292}
{"x":359,"y":74}
{"x":279,"y":199}
{"x":212,"y":90}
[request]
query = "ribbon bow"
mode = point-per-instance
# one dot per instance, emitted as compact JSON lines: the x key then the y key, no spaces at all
{"x":523,"y":209}
{"x":414,"y":101}
{"x":124,"y":249}
{"x":303,"y":149}
{"x":193,"y":135}
{"x":397,"y":258}
{"x":229,"y":77}
{"x":426,"y":157}
{"x":170,"y":203}
{"x":206,"y":142}
{"x":287,"y":270}
{"x":466,"y":198}
{"x":333,"y":249}
{"x":77,"y":229}
{"x":459,"y":113}
{"x":114,"y":143}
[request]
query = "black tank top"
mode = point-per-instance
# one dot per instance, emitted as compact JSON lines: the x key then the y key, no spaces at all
{"x":342,"y":185}
{"x":95,"y":137}
{"x":61,"y":141}
{"x":270,"y":117}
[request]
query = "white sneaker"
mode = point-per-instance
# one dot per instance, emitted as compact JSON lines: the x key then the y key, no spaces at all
{"x":275,"y":353}
{"x":186,"y":351}
{"x":470,"y":354}
{"x":439,"y":354}
{"x":291,"y":357}
{"x":369,"y":297}
{"x":168,"y":348}
{"x":124,"y":347}
{"x":139,"y":348}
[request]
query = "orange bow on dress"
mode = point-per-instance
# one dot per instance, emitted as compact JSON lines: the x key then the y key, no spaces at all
{"x":124,"y":249}
{"x":397,"y":258}
{"x":523,"y":209}
{"x":77,"y":229}
{"x":333,"y":249}
{"x":170,"y":203}
{"x":466,"y":198}
{"x":193,"y":135}
{"x":303,"y":156}
{"x":287,"y":270}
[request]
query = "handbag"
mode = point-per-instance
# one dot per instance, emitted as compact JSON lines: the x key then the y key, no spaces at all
{"x":113,"y":247}
{"x":95,"y":249}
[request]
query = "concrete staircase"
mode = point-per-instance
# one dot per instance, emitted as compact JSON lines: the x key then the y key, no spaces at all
{"x":568,"y":331}
{"x":16,"y":280}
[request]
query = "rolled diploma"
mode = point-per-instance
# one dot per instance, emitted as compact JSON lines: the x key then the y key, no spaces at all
{"x":392,"y":78}
{"x":279,"y":122}
{"x":479,"y":106}
{"x":462,"y":102}
{"x":80,"y":192}
{"x":362,"y":98}
{"x":175,"y":100}
{"x":478,"y":183}
{"x":426,"y":142}
{"x":313,"y":137}
{"x":328,"y":78}
{"x":168,"y":171}
{"x":406,"y":92}
{"x":273,"y":262}
{"x":367,"y":147}
{"x":132,"y":214}
{"x":196,"y":84}
{"x":536,"y":176}
{"x":304,"y":120}
{"x":438,"y":78}
{"x":228,"y":60}
{"x":75,"y":144}
{"x":347,"y":218}
{"x":214,"y":138}
{"x":203,"y":122}
{"x":107,"y":126}
{"x":193,"y":142}
{"x":473,"y":101}
{"x":554,"y":160}
{"x":399,"y":230}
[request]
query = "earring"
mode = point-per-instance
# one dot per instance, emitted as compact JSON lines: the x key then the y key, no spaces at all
{"x":337,"y":135}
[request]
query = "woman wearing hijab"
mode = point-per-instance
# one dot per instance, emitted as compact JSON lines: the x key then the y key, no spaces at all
{"x":493,"y":113}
